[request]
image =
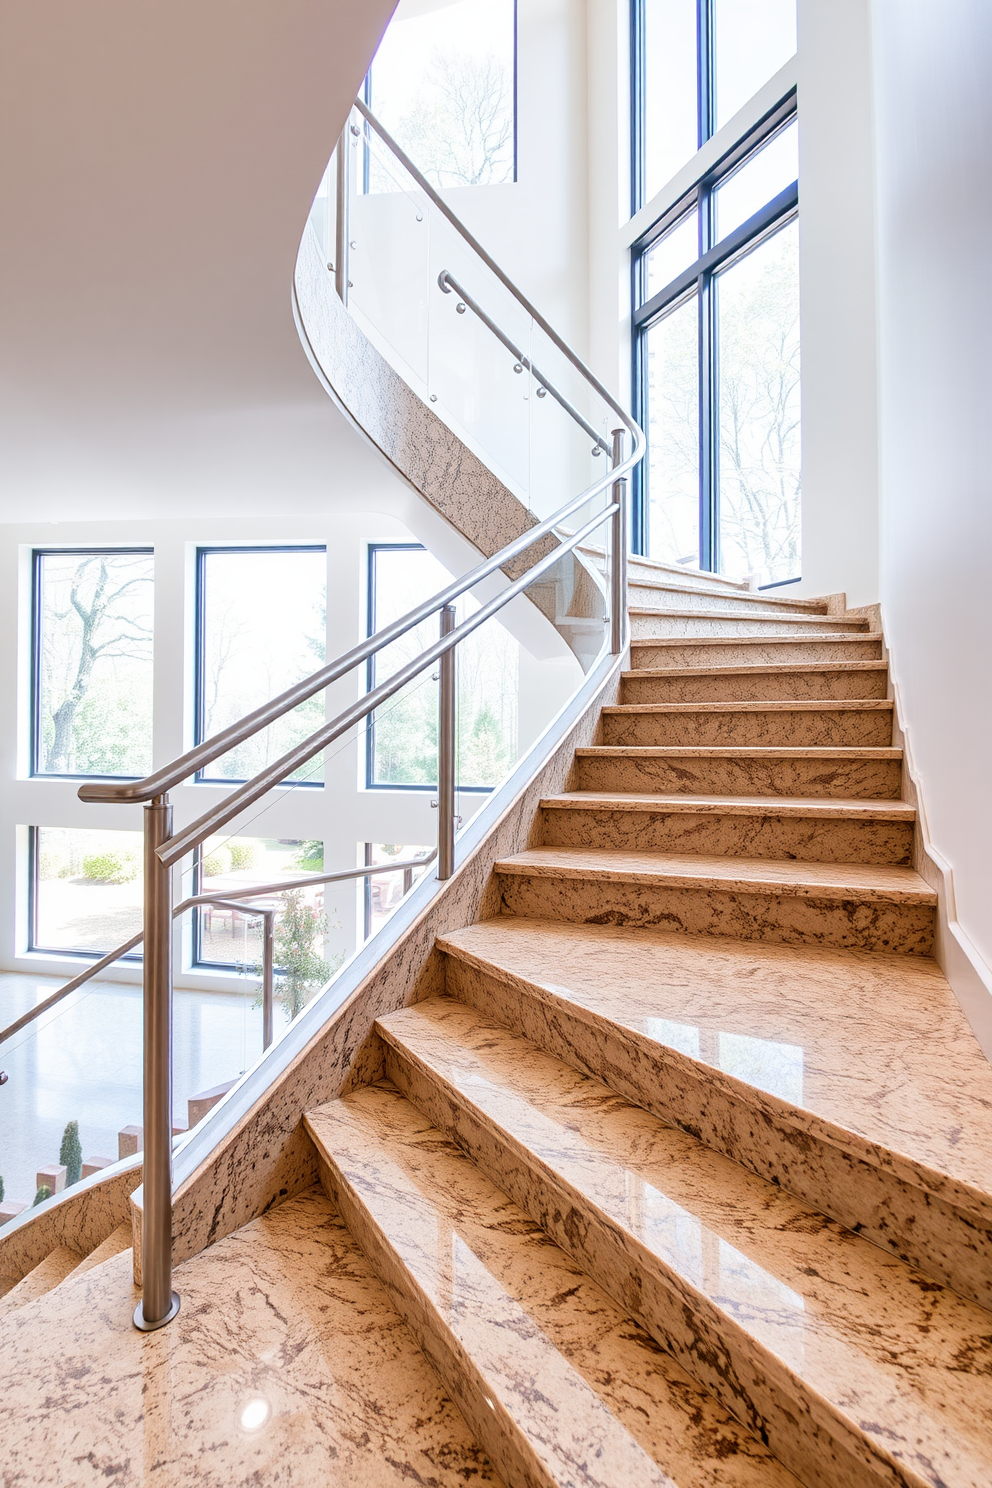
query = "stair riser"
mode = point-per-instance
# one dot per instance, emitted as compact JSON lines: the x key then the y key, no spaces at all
{"x":650,"y":627}
{"x":761,"y":1132}
{"x":803,"y":838}
{"x":648,"y":597}
{"x":813,"y":1440}
{"x":851,"y":780}
{"x":851,"y":924}
{"x":768,"y":653}
{"x":799,"y":730}
{"x":763,"y":687}
{"x":493,"y":1427}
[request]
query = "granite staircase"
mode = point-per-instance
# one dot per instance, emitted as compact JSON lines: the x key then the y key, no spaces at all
{"x":682,"y":1180}
{"x":687,"y":1177}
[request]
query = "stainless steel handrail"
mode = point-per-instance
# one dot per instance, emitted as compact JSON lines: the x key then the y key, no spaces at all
{"x":425,"y":186}
{"x":233,"y":899}
{"x":275,"y":774}
{"x":163,"y":847}
{"x":448,"y":283}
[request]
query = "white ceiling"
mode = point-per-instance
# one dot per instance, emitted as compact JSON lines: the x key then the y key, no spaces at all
{"x":157,"y":163}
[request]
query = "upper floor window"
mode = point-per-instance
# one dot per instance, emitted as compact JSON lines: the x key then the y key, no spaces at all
{"x":261,"y":626}
{"x":695,"y":63}
{"x":443,"y":82}
{"x":92,"y":662}
{"x":717,"y":377}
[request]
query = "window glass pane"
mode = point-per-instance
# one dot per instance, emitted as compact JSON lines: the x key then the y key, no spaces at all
{"x":308,"y":934}
{"x":671,"y":254}
{"x":760,"y":178}
{"x":758,"y":312}
{"x":94,"y":658}
{"x":673,"y":436}
{"x":262,"y":628}
{"x":404,"y":734}
{"x":442,"y":83}
{"x":384,"y":892}
{"x":87,"y":888}
{"x":752,"y":40}
{"x":671,"y":129}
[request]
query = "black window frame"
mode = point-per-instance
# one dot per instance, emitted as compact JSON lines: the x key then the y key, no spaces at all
{"x":34,"y":948}
{"x":697,"y":282}
{"x":38,"y":555}
{"x":370,"y":782}
{"x":199,"y":645}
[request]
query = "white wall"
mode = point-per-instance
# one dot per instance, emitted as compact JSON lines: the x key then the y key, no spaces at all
{"x":837,"y":302}
{"x":933,"y":120}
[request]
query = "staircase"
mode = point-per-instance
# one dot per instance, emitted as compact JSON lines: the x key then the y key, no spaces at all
{"x":683,"y":1178}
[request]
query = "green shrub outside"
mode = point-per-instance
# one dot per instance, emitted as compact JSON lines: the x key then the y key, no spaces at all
{"x":114,"y":866}
{"x":219,"y":860}
{"x":310,"y":856}
{"x":1,"y":1189}
{"x":71,"y":1154}
{"x":53,"y":864}
{"x":244,"y":854}
{"x":43,"y":1193}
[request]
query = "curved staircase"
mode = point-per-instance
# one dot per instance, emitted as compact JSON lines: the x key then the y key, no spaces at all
{"x":681,"y":1176}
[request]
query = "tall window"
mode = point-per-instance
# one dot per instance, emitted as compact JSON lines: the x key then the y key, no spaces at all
{"x":443,"y":82}
{"x":261,"y":626}
{"x":696,"y":62}
{"x":716,"y":320}
{"x":85,"y":889}
{"x":402,"y":735}
{"x":222,"y":937}
{"x":92,"y":653}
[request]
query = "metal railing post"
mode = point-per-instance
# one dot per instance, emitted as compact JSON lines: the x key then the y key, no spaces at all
{"x":159,"y":1303}
{"x":618,"y":551}
{"x":342,"y":225}
{"x":268,"y":973}
{"x":446,"y":753}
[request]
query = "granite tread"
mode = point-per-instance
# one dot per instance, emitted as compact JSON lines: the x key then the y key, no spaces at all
{"x":561,"y":1386}
{"x":775,"y":1323}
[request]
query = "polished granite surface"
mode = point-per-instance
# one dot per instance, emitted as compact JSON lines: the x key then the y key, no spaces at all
{"x":287,"y":1365}
{"x":800,"y":1327}
{"x":874,"y":1044}
{"x":562,"y":1386}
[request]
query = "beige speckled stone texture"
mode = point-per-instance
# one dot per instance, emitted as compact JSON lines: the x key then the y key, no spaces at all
{"x":762,"y":770}
{"x":561,"y":1387}
{"x":750,"y":650}
{"x":79,"y":1218}
{"x":284,"y":1315}
{"x":650,"y":624}
{"x":876,"y":908}
{"x":817,"y":831}
{"x":41,"y":1279}
{"x":811,"y":682}
{"x":819,"y":725}
{"x":666,"y":595}
{"x":853,"y":1080}
{"x":763,"y":1299}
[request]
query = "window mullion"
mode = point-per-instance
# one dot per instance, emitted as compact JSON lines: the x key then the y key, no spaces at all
{"x":705,"y":70}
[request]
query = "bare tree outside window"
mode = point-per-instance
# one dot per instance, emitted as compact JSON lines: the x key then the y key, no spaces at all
{"x":443,"y":83}
{"x":94,"y":650}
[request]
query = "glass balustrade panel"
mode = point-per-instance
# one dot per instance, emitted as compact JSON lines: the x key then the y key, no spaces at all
{"x":388,"y":262}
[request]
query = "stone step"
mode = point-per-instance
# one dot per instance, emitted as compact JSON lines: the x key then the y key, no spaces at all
{"x":848,"y":905}
{"x":761,"y":1297}
{"x":864,"y":722}
{"x":852,"y":1080}
{"x":649,"y":624}
{"x":45,"y":1277}
{"x":820,"y":831}
{"x":652,"y":593}
{"x":812,"y":681}
{"x":559,"y":1385}
{"x":640,"y":566}
{"x":751,"y":650}
{"x":712,"y":770}
{"x":117,"y":1241}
